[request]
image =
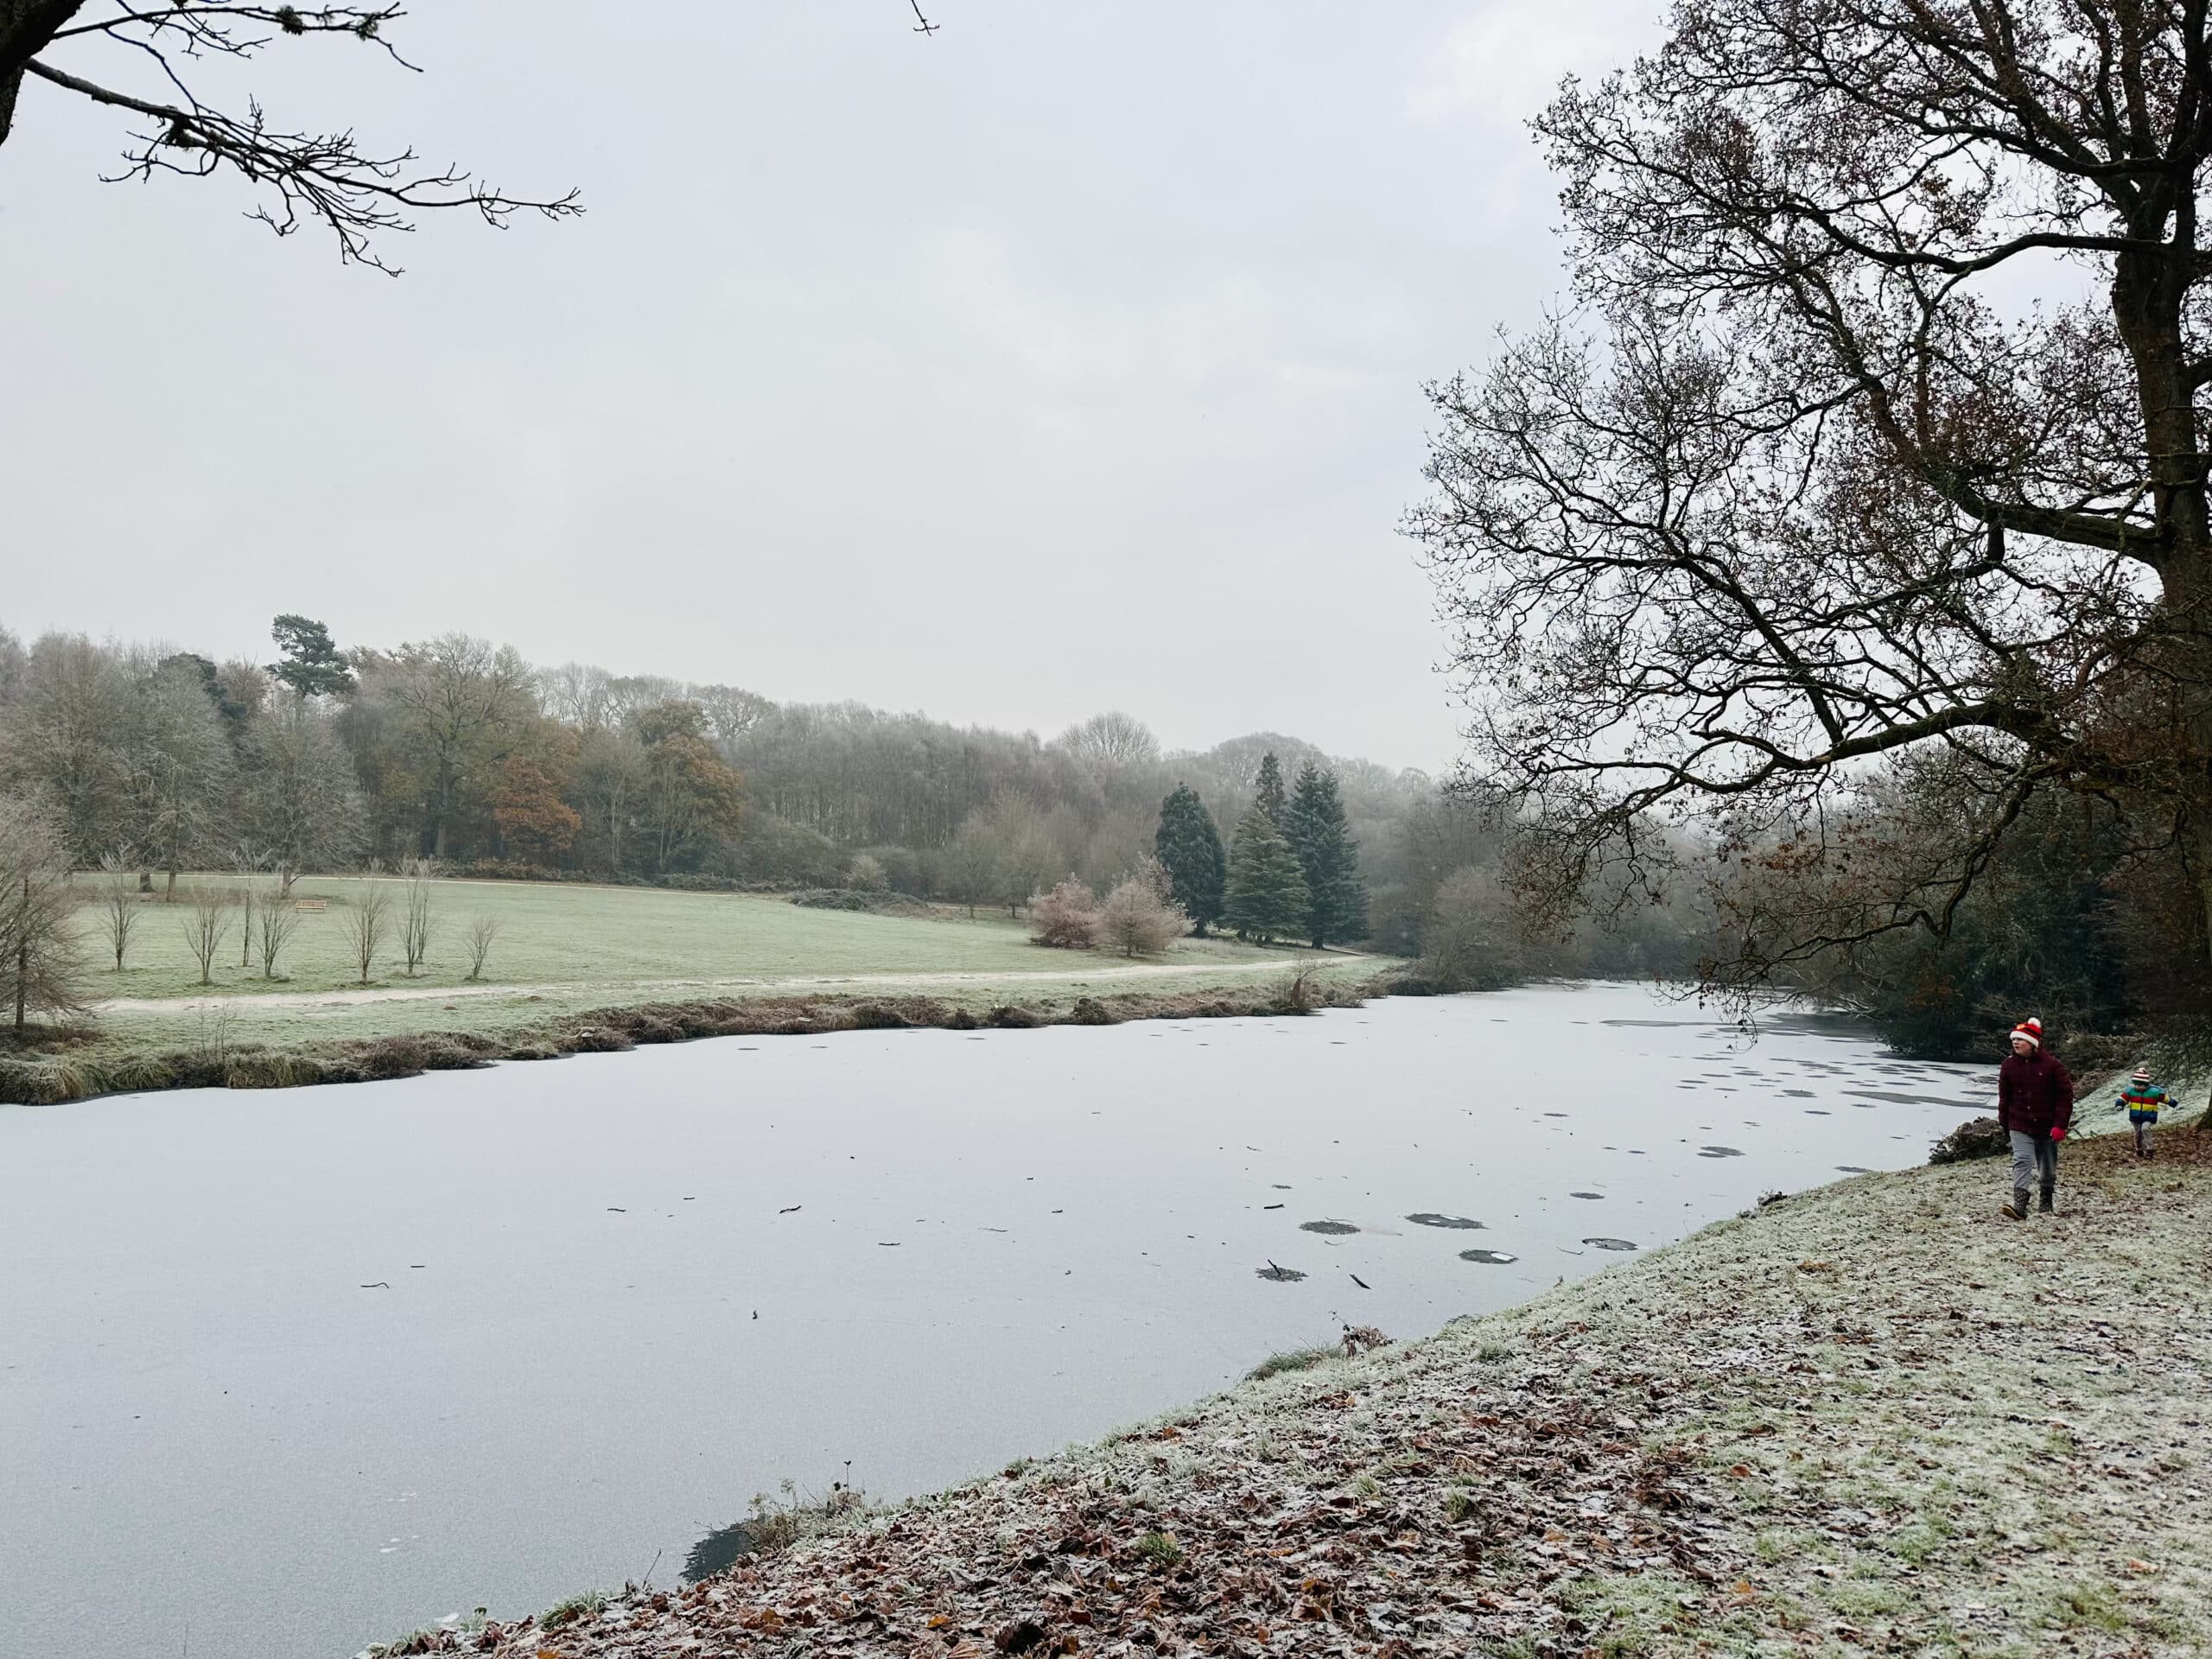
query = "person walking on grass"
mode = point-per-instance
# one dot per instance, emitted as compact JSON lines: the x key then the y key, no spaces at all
{"x":2143,"y":1098}
{"x":2034,"y":1107}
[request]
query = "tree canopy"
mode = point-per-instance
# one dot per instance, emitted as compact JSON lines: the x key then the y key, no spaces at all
{"x":1189,"y":849}
{"x":1267,"y":897}
{"x":1314,"y":825}
{"x":1798,"y":483}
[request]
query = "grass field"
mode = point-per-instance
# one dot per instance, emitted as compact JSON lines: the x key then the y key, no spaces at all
{"x":565,"y":949}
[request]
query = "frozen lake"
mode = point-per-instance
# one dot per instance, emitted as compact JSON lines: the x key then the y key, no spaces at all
{"x":283,"y":1374}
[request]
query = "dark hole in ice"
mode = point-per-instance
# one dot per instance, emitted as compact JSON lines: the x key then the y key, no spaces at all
{"x":1814,"y":1111}
{"x":1554,"y":1114}
{"x":1609,"y":1243}
{"x":1585,"y":1195}
{"x":1430,"y":1218}
{"x":1854,"y":1169}
{"x":1495,"y":1258}
{"x":1274,"y":1274}
{"x":1330,"y":1227}
{"x":1801,"y":1094}
{"x":1720,"y":1152}
{"x":1907,"y":1100}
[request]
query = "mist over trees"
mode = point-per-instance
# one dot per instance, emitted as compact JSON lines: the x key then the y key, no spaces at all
{"x":336,"y":757}
{"x":139,"y":762}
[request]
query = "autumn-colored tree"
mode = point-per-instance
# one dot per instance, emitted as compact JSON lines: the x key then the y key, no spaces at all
{"x":692,"y":797}
{"x":535,"y":823}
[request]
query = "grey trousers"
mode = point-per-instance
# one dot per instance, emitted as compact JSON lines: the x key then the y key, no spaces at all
{"x":2034,"y":1155}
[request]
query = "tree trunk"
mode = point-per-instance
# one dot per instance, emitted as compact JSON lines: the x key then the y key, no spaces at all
{"x":24,"y":959}
{"x":169,"y":898}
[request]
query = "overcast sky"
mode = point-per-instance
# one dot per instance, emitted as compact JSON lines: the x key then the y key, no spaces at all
{"x":1069,"y":360}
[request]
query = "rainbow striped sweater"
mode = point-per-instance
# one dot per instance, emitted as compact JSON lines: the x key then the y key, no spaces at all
{"x":2143,"y":1100}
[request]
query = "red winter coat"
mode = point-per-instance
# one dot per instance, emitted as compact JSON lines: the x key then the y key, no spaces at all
{"x":2034,"y":1094}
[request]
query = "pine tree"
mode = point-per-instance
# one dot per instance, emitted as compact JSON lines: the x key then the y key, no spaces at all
{"x":1336,"y":899}
{"x":1266,"y":889}
{"x":312,"y":664}
{"x":1270,"y":797}
{"x":1189,"y":848}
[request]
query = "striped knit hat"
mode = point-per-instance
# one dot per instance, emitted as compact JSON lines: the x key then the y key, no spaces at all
{"x":2142,"y":1075}
{"x":2031,"y":1028}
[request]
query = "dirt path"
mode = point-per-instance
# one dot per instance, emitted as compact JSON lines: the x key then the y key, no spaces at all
{"x":1877,"y":1418}
{"x":245,"y":1001}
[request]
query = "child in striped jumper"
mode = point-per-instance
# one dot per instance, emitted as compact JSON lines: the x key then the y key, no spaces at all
{"x":2143,"y":1098}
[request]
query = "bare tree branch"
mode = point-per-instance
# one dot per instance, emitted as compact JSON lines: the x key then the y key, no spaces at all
{"x":305,"y":177}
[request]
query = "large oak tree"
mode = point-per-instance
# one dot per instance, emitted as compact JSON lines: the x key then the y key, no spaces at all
{"x":1874,"y":438}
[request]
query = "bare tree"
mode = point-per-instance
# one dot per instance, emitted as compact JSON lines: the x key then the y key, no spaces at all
{"x":415,"y":922}
{"x":1112,"y":740}
{"x":247,"y":863}
{"x":179,"y":764}
{"x":1137,"y":920}
{"x":206,"y":923}
{"x":69,"y":736}
{"x":1803,"y":484}
{"x":118,"y":903}
{"x":277,"y":920}
{"x":38,"y":956}
{"x":482,"y":930}
{"x":304,"y":176}
{"x":458,"y":700}
{"x":366,"y":922}
{"x":299,"y":800}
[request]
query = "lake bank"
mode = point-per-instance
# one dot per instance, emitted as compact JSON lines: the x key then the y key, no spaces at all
{"x":1874,"y":1416}
{"x":566,"y":968}
{"x":215,"y":1044}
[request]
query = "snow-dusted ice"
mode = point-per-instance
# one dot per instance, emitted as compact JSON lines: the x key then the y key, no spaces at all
{"x":573,"y":1315}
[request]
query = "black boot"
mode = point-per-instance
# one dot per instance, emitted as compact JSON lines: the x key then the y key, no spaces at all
{"x":2045,"y":1207}
{"x":2018,"y":1210}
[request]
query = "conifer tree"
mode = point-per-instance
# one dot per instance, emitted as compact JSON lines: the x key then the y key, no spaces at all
{"x":1270,"y":797}
{"x":1266,"y":889}
{"x":1336,"y":899}
{"x":1189,"y":847}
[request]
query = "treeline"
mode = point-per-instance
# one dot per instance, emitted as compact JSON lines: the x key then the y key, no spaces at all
{"x":454,"y":749}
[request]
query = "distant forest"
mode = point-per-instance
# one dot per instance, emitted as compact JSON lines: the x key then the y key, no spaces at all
{"x":332,"y":757}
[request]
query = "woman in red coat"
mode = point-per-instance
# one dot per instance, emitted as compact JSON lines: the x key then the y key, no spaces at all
{"x":2035,"y":1106}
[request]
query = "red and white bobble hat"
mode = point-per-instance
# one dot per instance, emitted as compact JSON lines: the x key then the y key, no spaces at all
{"x":2031,"y":1028}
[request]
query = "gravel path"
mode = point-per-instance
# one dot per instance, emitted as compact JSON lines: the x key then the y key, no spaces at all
{"x":1873,"y":1419}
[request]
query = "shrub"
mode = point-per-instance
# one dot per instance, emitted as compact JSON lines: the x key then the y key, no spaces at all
{"x":873,"y":900}
{"x":1978,"y":1137}
{"x":868,"y":873}
{"x":1472,"y":942}
{"x":1066,"y":919}
{"x":1295,"y":1359}
{"x":1137,"y":922}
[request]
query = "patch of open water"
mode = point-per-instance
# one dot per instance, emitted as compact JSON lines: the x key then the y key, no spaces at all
{"x":282,"y":1373}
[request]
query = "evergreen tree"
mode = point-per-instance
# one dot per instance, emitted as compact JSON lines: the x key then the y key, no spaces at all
{"x":312,"y":664}
{"x":1336,"y":899}
{"x":1266,"y":889}
{"x":1189,"y":847}
{"x":1270,"y":797}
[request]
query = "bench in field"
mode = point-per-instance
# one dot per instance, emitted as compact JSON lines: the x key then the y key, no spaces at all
{"x":311,"y":904}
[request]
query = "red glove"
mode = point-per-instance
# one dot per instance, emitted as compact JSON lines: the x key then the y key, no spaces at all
{"x":2057,"y":1133}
